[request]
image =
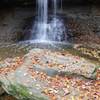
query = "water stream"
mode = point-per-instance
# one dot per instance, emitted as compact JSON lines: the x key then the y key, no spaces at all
{"x":46,"y":28}
{"x":42,"y":18}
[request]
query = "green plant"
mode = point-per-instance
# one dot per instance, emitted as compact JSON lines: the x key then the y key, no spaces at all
{"x":22,"y":93}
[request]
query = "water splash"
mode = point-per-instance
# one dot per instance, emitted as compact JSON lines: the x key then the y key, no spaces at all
{"x":46,"y":29}
{"x":42,"y":18}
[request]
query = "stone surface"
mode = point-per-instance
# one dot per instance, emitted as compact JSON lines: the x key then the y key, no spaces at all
{"x":41,"y":74}
{"x":68,"y":63}
{"x":12,"y":23}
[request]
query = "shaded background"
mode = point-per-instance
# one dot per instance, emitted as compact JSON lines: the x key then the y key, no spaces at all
{"x":30,"y":2}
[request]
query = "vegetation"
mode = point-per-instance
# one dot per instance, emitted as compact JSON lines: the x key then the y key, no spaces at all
{"x":23,"y":93}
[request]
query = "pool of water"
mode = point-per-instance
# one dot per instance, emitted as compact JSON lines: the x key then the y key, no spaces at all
{"x":21,"y":48}
{"x":9,"y":50}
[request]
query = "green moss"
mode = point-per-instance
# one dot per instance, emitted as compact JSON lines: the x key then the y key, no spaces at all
{"x":96,"y":68}
{"x":22,"y":93}
{"x":95,"y":71}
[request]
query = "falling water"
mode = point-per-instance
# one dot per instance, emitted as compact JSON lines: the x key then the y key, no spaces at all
{"x":57,"y":28}
{"x":61,"y":6}
{"x":42,"y":18}
{"x":45,"y":28}
{"x":55,"y":7}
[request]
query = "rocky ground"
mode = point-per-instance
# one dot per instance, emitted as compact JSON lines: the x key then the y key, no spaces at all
{"x":51,"y":75}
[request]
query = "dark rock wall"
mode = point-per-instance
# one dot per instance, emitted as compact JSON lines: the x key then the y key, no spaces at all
{"x":82,"y":19}
{"x":28,"y":2}
{"x":17,"y":2}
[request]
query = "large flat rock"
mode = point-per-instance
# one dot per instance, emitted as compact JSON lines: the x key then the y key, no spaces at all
{"x":51,"y":61}
{"x":41,"y":75}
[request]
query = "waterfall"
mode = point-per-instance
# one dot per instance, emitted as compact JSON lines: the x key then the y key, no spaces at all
{"x":55,"y":7}
{"x":57,"y":28}
{"x":61,"y":5}
{"x":45,"y":28}
{"x":42,"y":7}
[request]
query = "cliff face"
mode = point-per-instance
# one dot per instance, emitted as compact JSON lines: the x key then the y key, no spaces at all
{"x":16,"y":22}
{"x":17,"y":2}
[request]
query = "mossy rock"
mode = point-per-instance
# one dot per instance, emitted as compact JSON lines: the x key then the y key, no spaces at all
{"x":22,"y":93}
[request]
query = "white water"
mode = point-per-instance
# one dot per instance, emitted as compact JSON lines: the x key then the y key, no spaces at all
{"x":42,"y":18}
{"x":43,"y":28}
{"x":55,"y":7}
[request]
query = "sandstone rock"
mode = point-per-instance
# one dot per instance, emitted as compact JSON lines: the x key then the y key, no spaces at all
{"x":30,"y":77}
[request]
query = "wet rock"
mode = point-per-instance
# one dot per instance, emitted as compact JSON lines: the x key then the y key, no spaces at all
{"x":12,"y":23}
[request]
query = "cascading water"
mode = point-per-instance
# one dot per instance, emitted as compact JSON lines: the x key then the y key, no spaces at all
{"x":46,"y":28}
{"x":55,"y":7}
{"x":61,"y":6}
{"x":42,"y":19}
{"x":57,"y":28}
